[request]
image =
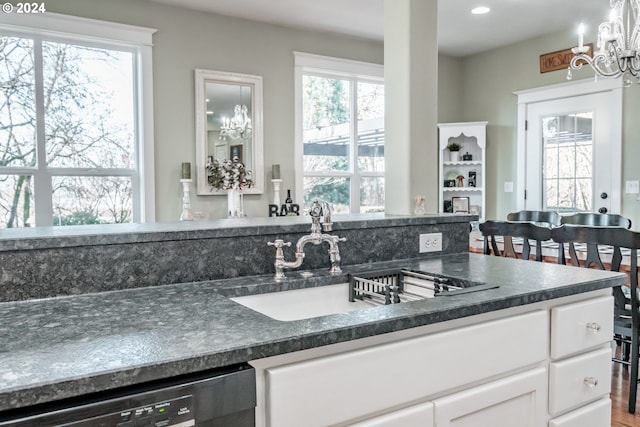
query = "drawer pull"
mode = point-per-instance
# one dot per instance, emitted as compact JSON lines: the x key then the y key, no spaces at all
{"x":590,"y":381}
{"x":594,"y":327}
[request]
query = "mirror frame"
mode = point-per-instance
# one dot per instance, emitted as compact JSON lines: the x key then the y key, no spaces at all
{"x":255,"y":82}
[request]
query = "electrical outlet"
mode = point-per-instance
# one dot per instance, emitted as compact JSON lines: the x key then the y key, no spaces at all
{"x":431,"y":242}
{"x":632,"y":187}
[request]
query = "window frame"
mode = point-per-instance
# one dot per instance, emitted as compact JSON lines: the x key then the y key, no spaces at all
{"x":330,"y":67}
{"x":102,"y":34}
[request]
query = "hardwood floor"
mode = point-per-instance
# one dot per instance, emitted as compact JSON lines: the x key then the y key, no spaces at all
{"x":620,"y":417}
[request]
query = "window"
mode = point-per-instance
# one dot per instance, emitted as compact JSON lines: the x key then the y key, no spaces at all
{"x":568,"y":161}
{"x":340,"y":133}
{"x":72,"y":149}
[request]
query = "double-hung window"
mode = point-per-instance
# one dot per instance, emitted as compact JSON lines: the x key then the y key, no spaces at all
{"x":75,"y":124}
{"x":339,"y":133}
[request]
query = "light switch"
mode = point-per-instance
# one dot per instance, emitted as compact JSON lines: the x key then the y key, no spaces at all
{"x":632,"y":187}
{"x":508,"y":187}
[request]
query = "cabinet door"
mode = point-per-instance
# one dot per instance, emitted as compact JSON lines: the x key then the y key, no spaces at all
{"x":516,"y":400}
{"x":419,"y":415}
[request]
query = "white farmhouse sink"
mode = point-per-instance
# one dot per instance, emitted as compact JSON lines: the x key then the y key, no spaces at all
{"x":369,"y":290}
{"x":303,"y":303}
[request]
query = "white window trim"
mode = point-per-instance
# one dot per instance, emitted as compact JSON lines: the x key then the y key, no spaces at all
{"x":140,"y":38}
{"x":331,"y":67}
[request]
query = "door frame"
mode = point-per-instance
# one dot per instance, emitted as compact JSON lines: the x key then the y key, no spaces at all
{"x":568,"y":90}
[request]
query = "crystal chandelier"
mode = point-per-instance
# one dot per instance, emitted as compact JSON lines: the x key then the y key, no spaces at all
{"x":237,"y":127}
{"x":618,"y":44}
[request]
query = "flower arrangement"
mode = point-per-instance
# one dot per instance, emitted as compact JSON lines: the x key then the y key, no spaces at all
{"x":229,"y":175}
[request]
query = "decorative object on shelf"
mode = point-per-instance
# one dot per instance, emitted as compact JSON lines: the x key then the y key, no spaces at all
{"x":232,"y":176}
{"x":618,"y":53}
{"x":452,"y":175}
{"x":276,"y":181}
{"x":276,"y":191}
{"x":288,"y":201}
{"x":460,"y":179}
{"x":466,"y":157}
{"x":454,"y":151}
{"x":187,"y":214}
{"x":287,"y":208}
{"x":472,"y":179}
{"x":418,"y":205}
{"x":448,"y":183}
{"x":460,"y":204}
{"x":447,"y":206}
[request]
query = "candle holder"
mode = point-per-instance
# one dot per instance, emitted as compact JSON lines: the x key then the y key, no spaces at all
{"x":276,"y":191}
{"x":187,"y":214}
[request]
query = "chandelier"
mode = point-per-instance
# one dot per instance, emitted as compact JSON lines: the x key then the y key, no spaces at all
{"x":237,"y":127}
{"x":618,"y":44}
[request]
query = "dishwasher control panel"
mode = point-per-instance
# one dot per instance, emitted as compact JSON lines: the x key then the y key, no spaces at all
{"x":170,"y":413}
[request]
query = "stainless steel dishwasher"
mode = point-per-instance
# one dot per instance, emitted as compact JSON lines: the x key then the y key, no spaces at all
{"x":224,"y":397}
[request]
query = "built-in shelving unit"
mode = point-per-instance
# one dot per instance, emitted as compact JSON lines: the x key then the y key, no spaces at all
{"x":462,"y":178}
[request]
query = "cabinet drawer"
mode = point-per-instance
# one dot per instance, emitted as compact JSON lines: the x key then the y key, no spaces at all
{"x":342,"y":387}
{"x":597,"y":414}
{"x":516,"y":400}
{"x":579,"y":379}
{"x":418,"y":415}
{"x":581,"y":326}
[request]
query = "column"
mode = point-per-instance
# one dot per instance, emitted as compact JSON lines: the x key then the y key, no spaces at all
{"x":411,"y":84}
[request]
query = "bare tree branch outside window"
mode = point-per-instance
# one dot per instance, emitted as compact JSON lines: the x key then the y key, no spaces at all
{"x":88,"y":128}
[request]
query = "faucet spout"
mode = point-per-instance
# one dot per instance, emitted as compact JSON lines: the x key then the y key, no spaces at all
{"x":316,"y":237}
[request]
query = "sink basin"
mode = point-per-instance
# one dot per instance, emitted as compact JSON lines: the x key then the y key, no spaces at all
{"x":361,"y":292}
{"x":303,"y":303}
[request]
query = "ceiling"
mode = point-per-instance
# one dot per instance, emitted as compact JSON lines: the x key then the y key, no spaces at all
{"x":459,"y":32}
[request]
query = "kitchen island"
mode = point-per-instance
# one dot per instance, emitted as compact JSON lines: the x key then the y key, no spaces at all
{"x":58,"y":348}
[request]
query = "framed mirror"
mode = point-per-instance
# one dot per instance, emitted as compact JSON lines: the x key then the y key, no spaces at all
{"x":228,"y":126}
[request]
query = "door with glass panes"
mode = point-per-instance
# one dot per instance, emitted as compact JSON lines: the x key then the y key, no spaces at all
{"x":571,"y":155}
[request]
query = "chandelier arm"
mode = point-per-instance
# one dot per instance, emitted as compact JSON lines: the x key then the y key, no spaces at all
{"x":593,"y":64}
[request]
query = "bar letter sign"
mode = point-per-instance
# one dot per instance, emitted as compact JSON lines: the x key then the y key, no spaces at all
{"x":559,"y":60}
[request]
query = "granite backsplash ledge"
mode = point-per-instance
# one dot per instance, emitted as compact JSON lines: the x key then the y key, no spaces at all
{"x":48,"y":262}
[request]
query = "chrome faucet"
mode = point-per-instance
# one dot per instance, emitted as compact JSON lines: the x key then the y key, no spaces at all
{"x":316,"y":211}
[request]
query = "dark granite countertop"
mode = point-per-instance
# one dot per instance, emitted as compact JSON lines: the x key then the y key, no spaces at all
{"x":69,"y":346}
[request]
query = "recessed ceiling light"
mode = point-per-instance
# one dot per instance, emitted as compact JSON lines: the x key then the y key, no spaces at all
{"x":480,"y":10}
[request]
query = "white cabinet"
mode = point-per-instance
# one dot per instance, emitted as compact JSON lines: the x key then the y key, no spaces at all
{"x":580,"y":368}
{"x":357,"y":383}
{"x":528,"y":366}
{"x":516,"y":400}
{"x":462,"y":181}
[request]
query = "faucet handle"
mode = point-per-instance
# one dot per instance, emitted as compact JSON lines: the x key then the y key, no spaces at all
{"x":279,"y":243}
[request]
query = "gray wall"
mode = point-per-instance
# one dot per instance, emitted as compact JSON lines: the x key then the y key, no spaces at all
{"x":186,"y":40}
{"x":488,"y":83}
